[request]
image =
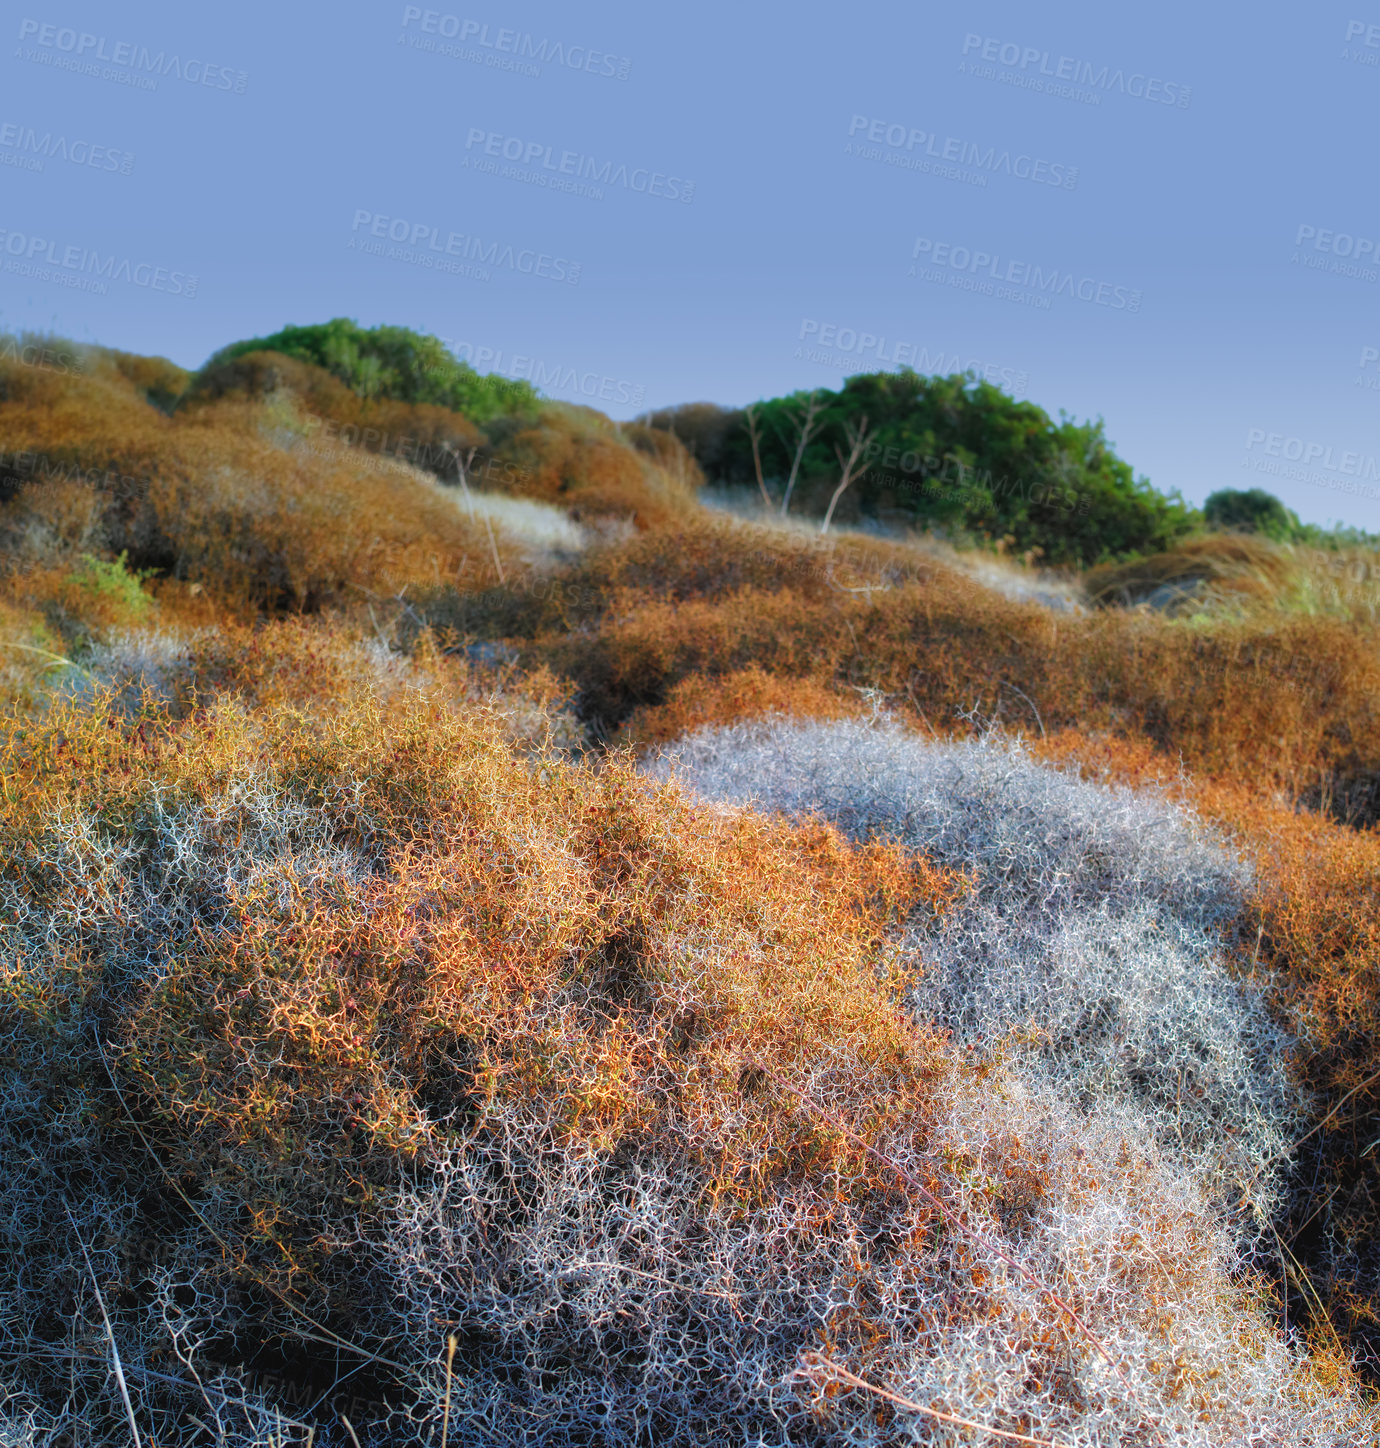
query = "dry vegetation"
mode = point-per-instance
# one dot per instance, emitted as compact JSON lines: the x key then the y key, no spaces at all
{"x":564,"y":966}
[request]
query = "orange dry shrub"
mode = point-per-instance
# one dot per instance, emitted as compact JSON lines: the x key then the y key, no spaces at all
{"x":699,"y":557}
{"x":574,"y":459}
{"x":312,"y":664}
{"x":319,"y":664}
{"x":1294,"y":702}
{"x":99,"y":422}
{"x":710,"y":557}
{"x":670,"y":453}
{"x":434,"y":919}
{"x":210,"y":496}
{"x":156,"y":379}
{"x":697,"y":702}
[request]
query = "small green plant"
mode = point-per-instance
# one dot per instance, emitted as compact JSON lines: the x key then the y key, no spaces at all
{"x":113,"y":586}
{"x":94,"y":597}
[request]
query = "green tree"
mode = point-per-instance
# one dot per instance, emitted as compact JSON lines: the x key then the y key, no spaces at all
{"x":958,"y":455}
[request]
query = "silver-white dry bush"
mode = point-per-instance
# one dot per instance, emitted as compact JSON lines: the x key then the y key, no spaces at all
{"x":129,"y":902}
{"x":132,"y":665}
{"x":598,"y":1300}
{"x":1120,"y":1232}
{"x":1096,"y":921}
{"x":597,"y":1297}
{"x":594,"y":1301}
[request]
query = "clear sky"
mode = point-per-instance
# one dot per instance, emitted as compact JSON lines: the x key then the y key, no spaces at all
{"x":1164,"y":216}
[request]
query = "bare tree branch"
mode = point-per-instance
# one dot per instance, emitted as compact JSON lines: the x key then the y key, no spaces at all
{"x":462,"y":465}
{"x":807,"y":422}
{"x":755,"y":433}
{"x":856,"y":434}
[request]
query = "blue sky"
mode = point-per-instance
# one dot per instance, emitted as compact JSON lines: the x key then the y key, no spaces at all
{"x":1165,"y":218}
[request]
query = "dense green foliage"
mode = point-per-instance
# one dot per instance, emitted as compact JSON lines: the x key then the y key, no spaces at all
{"x":397,"y":363}
{"x":955,"y":454}
{"x":1251,"y":510}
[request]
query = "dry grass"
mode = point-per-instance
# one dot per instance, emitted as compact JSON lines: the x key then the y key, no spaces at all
{"x":1292,"y":701}
{"x":357,"y":996}
{"x":1236,"y":574}
{"x":433,"y":1038}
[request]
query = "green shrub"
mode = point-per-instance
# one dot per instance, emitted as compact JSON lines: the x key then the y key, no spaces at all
{"x":1251,"y":510}
{"x":397,"y":363}
{"x":98,"y":595}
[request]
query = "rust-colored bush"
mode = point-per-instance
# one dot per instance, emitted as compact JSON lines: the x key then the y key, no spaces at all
{"x":698,"y":700}
{"x":592,"y":474}
{"x":1293,"y":701}
{"x":215,"y":496}
{"x":401,"y":1006}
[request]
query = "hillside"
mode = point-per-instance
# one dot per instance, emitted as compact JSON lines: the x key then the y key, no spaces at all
{"x":502,"y":949}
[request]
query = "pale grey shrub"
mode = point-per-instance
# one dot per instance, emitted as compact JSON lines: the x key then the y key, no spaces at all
{"x":130,"y":666}
{"x":129,"y":900}
{"x":1097,"y":921}
{"x":599,"y":1300}
{"x":596,"y":1300}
